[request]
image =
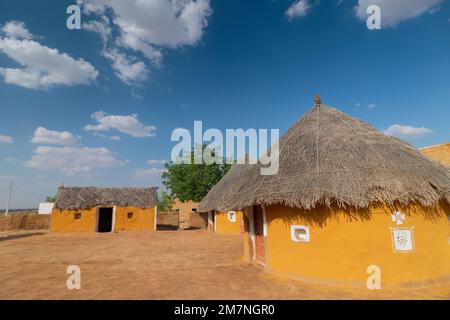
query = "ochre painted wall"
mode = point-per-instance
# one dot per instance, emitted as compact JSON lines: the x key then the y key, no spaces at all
{"x":340,"y":250}
{"x":439,"y":153}
{"x":143,"y":219}
{"x":223,"y":225}
{"x":63,"y":220}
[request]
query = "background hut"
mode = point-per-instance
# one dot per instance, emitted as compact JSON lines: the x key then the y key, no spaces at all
{"x":440,"y":152}
{"x":221,"y":219}
{"x":94,"y":209}
{"x":346,"y":198}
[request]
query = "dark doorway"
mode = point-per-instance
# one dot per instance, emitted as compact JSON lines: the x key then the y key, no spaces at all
{"x":105,"y":218}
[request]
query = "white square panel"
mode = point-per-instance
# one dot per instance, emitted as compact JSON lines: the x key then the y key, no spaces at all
{"x":232,"y":216}
{"x":300,"y":233}
{"x":402,"y":239}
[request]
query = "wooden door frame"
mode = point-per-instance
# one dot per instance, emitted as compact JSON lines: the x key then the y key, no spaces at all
{"x":113,"y":222}
{"x":251,"y":222}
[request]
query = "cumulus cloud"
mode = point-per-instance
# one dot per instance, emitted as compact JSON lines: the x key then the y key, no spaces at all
{"x":50,"y":137}
{"x":147,"y":26}
{"x":298,"y":9}
{"x":407,"y":132}
{"x":129,"y":71}
{"x":73,"y":160}
{"x":128,"y":124}
{"x":16,"y":30}
{"x":101,"y":135}
{"x":151,"y":173}
{"x":41,"y":67}
{"x":394,"y":12}
{"x":6,"y":139}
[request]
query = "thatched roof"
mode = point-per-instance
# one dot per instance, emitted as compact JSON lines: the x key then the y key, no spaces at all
{"x":89,"y":197}
{"x":330,"y":158}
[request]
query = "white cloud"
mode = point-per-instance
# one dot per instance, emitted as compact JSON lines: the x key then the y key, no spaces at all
{"x":101,"y":27}
{"x":73,"y":160}
{"x":130,"y":72}
{"x":372,"y":105}
{"x":148,"y":173}
{"x":16,"y":30}
{"x":41,"y":67}
{"x":148,"y":26}
{"x":128,"y":124}
{"x":157,"y":161}
{"x":101,"y":135}
{"x":45,"y":136}
{"x":396,"y":11}
{"x":6,"y":139}
{"x":298,"y":9}
{"x":405,"y":132}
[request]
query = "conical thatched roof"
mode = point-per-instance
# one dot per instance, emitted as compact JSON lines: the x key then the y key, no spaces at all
{"x":89,"y":197}
{"x":330,"y":158}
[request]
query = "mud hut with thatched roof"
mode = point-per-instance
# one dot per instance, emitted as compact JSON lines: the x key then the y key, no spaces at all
{"x":346,"y":200}
{"x":220,"y":219}
{"x":92,"y":209}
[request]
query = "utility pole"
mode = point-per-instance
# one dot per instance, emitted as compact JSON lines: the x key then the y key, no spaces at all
{"x":9,"y":198}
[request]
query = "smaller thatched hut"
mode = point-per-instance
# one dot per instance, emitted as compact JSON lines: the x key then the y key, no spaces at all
{"x":223,"y":220}
{"x":92,"y":209}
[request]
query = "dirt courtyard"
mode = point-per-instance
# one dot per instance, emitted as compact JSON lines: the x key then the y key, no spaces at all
{"x":157,"y":265}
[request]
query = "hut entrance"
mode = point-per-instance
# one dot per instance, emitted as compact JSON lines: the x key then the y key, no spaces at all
{"x":105,"y":219}
{"x":258,"y":218}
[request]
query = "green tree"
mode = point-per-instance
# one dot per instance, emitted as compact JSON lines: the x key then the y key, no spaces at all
{"x":50,"y":199}
{"x":193,"y":181}
{"x":165,"y":202}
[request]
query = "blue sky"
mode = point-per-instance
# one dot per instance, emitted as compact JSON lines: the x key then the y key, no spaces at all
{"x":97,"y":106}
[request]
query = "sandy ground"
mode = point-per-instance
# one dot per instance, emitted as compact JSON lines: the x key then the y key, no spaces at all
{"x":158,"y":265}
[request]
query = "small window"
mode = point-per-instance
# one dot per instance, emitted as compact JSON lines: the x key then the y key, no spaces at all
{"x":194,"y":209}
{"x":177,"y":210}
{"x":232,"y":216}
{"x":77,"y":216}
{"x":130,"y":215}
{"x":300,"y":233}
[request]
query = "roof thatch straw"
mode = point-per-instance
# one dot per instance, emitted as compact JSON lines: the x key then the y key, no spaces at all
{"x":330,"y":158}
{"x":89,"y":197}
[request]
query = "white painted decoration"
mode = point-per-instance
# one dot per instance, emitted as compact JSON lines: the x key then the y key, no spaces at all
{"x":300,"y":233}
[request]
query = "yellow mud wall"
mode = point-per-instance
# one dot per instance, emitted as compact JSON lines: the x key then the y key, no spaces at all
{"x":143,"y":219}
{"x":340,"y":250}
{"x":64,"y":221}
{"x":439,"y":153}
{"x":223,"y":225}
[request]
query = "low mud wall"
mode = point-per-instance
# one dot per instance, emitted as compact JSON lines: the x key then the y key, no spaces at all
{"x":198,"y":220}
{"x":20,"y":221}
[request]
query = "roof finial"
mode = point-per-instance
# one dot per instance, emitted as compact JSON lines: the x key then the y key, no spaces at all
{"x":317,"y":100}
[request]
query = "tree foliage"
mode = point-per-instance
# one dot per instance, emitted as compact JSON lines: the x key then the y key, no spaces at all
{"x":165,"y":202}
{"x":51,"y":199}
{"x":193,"y":181}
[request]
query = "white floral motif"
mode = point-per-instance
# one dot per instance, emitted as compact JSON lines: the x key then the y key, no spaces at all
{"x":398,"y":217}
